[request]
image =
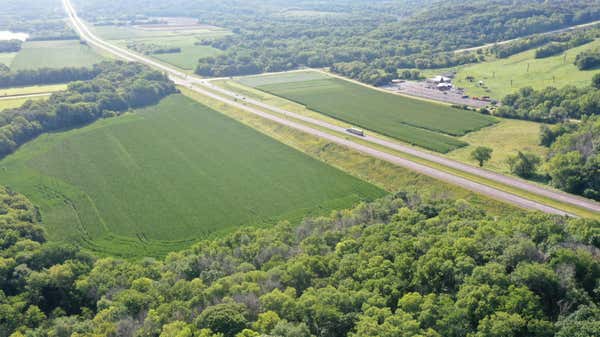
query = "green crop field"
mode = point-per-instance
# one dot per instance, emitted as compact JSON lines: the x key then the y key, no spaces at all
{"x":54,"y":54}
{"x":413,"y":121}
{"x":162,"y":178}
{"x":504,"y":76}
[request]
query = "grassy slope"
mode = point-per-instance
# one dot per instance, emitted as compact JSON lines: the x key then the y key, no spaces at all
{"x":400,"y":117}
{"x":176,"y":172}
{"x":54,"y":54}
{"x":551,"y":71}
{"x":34,"y":89}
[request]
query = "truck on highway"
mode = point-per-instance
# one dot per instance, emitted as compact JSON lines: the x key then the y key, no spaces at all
{"x":356,"y":131}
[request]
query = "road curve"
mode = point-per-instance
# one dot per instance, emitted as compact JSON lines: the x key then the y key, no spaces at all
{"x":203,"y":87}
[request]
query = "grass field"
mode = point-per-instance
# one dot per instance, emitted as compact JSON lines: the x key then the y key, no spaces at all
{"x":413,"y":121}
{"x":187,"y":59}
{"x":190,"y":52}
{"x":54,"y":54}
{"x":157,"y":180}
{"x":7,"y":58}
{"x":16,"y":102}
{"x":525,"y":70}
{"x":34,"y":89}
{"x":130,"y":32}
{"x":505,"y":138}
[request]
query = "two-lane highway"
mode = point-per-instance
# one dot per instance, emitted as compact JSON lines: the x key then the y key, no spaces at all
{"x":258,"y":108}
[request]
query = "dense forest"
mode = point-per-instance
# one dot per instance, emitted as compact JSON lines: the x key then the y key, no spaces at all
{"x":573,"y":164}
{"x":116,"y":87}
{"x":404,"y":265}
{"x":363,"y":39}
{"x":551,"y":104}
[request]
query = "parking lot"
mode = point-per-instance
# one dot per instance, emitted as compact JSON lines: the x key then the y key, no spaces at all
{"x":430,"y":91}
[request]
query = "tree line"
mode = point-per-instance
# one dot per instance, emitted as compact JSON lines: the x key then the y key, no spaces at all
{"x":28,"y":77}
{"x":552,"y":105}
{"x":570,"y":37}
{"x":152,"y":48}
{"x":371,"y":51}
{"x":556,"y":48}
{"x":406,"y":265}
{"x":588,"y":59}
{"x":10,"y":46}
{"x":116,"y":87}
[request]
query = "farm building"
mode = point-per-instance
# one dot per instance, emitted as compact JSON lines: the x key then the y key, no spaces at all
{"x":439,"y":79}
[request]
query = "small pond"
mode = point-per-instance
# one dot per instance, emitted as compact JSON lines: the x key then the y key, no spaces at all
{"x":8,"y":35}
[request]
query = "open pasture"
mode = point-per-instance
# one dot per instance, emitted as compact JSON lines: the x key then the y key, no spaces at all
{"x":54,"y":54}
{"x":504,"y":76}
{"x":169,"y":175}
{"x":417,"y":122}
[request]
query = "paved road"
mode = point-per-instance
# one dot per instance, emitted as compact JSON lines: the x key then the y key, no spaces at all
{"x":9,"y":97}
{"x":205,"y":88}
{"x":487,"y":45}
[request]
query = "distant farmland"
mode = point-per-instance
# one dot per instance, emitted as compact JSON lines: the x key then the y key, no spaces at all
{"x":54,"y":54}
{"x":157,"y":180}
{"x":413,"y":121}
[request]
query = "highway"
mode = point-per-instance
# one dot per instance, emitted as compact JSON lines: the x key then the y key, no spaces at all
{"x":204,"y":87}
{"x":566,"y":29}
{"x":9,"y":97}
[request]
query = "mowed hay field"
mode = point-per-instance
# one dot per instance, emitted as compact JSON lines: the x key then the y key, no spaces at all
{"x":54,"y":54}
{"x":523,"y":70}
{"x":157,"y":180}
{"x":417,"y":122}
